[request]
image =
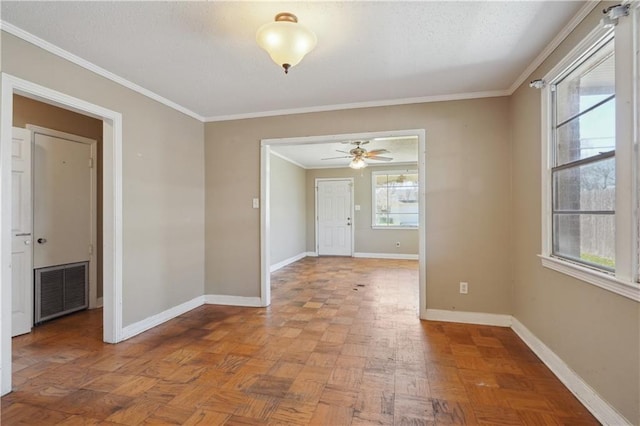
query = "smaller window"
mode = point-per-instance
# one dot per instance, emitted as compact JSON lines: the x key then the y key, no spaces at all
{"x":395,"y":199}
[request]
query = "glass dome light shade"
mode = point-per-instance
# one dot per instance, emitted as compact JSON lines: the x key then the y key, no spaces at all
{"x":286,"y":41}
{"x":358,"y":163}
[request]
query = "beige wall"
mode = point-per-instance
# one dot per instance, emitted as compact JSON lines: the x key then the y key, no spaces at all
{"x":288,"y":210}
{"x":468,"y":198}
{"x":367,"y":240}
{"x":594,"y":331}
{"x":163,"y":181}
{"x":29,"y":111}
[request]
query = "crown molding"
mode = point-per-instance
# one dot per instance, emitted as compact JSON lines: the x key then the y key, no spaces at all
{"x":52,"y":48}
{"x":368,"y":104}
{"x":553,"y":45}
{"x":285,"y":158}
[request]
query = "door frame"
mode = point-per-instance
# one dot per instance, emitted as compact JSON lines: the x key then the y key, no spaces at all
{"x":317,"y":220}
{"x":93,"y":265}
{"x":112,"y":209}
{"x":265,"y":213}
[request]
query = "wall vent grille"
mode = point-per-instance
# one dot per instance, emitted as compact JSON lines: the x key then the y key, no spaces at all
{"x":61,"y":290}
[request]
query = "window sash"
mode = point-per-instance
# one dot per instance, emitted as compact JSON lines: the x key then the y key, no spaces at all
{"x":387,"y":219}
{"x":624,"y":281}
{"x":561,"y":236}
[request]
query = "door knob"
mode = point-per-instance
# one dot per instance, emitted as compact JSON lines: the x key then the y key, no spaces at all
{"x":42,"y":240}
{"x":27,"y":242}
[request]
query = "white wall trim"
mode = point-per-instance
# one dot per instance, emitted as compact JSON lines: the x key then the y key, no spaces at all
{"x":615,"y":285}
{"x":600,"y":408}
{"x":265,"y":231}
{"x":602,"y":411}
{"x":312,"y":254}
{"x":285,"y":158}
{"x":223,"y":299}
{"x":99,"y":302}
{"x":559,"y":38}
{"x":400,"y":256}
{"x":500,"y":320}
{"x":160,"y":318}
{"x":112,"y":209}
{"x":355,"y":105}
{"x":52,"y":48}
{"x":288,"y":261}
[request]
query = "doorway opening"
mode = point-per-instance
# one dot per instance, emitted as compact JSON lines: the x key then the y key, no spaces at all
{"x":312,"y":249}
{"x":111,"y":209}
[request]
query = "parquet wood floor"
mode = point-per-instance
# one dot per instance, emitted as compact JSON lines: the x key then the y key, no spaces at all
{"x":340,"y":345}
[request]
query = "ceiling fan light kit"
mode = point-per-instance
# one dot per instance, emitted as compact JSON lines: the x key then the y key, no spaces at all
{"x":358,"y":163}
{"x":359,"y":154}
{"x":286,"y":41}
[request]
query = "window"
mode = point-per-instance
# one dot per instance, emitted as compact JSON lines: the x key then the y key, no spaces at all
{"x":590,"y":187}
{"x":395,"y":199}
{"x":583,"y":172}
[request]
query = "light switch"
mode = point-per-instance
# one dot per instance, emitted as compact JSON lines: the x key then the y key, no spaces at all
{"x":357,"y":207}
{"x":256,"y":203}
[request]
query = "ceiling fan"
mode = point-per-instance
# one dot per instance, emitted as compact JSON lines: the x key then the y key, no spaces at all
{"x":359,"y":154}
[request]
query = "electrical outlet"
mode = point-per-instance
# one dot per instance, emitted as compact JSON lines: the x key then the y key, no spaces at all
{"x":464,"y":288}
{"x":398,"y":244}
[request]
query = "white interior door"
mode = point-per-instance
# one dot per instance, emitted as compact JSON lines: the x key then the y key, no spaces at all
{"x":21,"y":223}
{"x":62,"y":201}
{"x":334,"y":215}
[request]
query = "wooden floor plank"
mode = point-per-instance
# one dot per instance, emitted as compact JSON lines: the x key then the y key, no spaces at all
{"x":340,"y":345}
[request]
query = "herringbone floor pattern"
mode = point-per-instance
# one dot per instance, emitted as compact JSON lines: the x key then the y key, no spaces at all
{"x":340,"y":345}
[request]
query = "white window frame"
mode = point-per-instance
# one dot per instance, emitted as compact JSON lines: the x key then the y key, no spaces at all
{"x":625,"y":279}
{"x":375,"y":173}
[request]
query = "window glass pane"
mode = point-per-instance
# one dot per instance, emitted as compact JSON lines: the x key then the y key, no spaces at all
{"x":585,"y":108}
{"x":381,"y":200}
{"x":383,"y":220}
{"x":381,"y":180}
{"x":586,"y":238}
{"x":396,"y":199}
{"x":586,"y":85}
{"x":588,"y":187}
{"x":587,"y":135}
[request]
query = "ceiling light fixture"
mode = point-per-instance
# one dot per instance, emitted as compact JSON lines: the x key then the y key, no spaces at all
{"x":358,"y":163}
{"x":286,"y":40}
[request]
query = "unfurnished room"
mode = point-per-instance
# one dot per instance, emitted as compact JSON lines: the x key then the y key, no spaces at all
{"x":320,"y":213}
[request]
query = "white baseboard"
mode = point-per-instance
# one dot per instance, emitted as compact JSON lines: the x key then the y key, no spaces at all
{"x":600,"y":408}
{"x":157,"y":319}
{"x":605,"y":413}
{"x":288,"y":261}
{"x":387,"y":256}
{"x":480,"y":318}
{"x":312,"y":254}
{"x":99,"y":302}
{"x":222,"y":299}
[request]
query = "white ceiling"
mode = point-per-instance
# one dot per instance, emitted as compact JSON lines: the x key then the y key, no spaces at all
{"x":203,"y":55}
{"x":402,"y":150}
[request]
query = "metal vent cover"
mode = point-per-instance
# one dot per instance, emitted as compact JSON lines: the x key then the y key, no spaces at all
{"x":60,"y":290}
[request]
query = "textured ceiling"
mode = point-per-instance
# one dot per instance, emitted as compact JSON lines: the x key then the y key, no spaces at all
{"x":203,"y":55}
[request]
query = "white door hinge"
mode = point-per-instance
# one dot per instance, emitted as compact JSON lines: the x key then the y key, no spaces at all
{"x":91,"y":163}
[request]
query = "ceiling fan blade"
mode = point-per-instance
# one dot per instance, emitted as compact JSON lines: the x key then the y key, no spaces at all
{"x":375,"y":157}
{"x":346,"y":152}
{"x":378,"y":151}
{"x":335,"y":158}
